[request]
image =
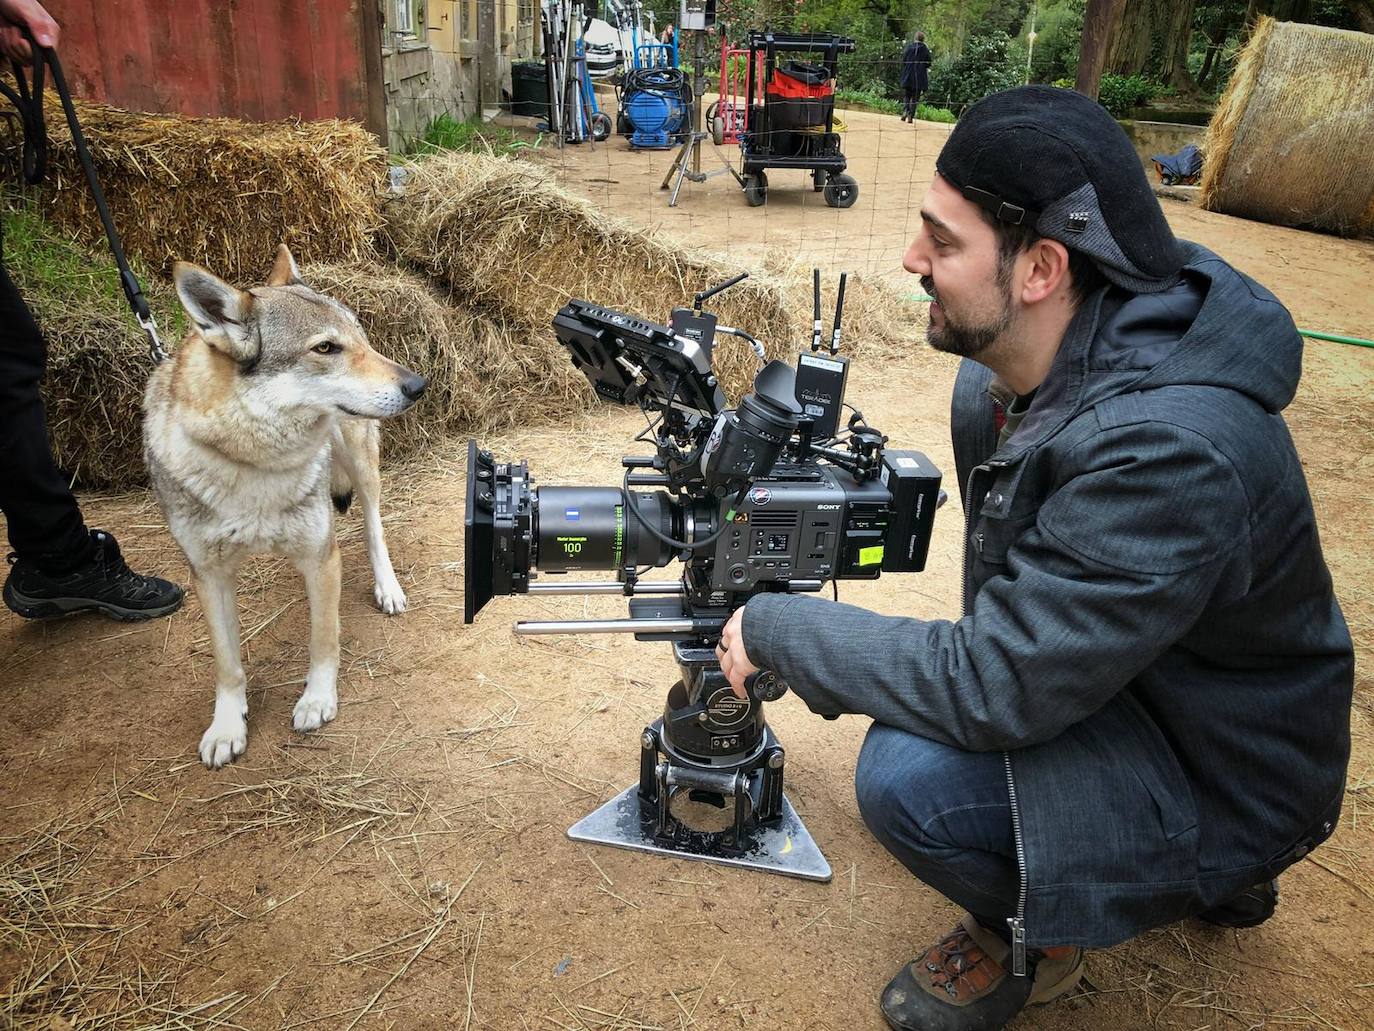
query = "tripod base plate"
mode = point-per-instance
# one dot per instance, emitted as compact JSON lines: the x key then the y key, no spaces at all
{"x":784,"y":848}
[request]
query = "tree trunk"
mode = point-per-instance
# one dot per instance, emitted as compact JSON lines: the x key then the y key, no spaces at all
{"x":1207,"y":62}
{"x":890,"y":17}
{"x":1100,"y":22}
{"x":1174,"y":65}
{"x":1129,"y":49}
{"x":1363,"y":13}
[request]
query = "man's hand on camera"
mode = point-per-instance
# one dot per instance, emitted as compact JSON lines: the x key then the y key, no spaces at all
{"x":13,"y":14}
{"x":734,"y":663}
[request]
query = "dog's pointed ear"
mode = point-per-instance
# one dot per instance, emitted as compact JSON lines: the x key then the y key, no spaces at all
{"x":218,"y":310}
{"x":284,"y":270}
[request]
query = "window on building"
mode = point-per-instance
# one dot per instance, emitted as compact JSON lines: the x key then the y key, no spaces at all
{"x":408,"y":17}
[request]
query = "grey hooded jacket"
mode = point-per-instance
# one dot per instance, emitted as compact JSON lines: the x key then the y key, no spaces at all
{"x":1150,"y":633}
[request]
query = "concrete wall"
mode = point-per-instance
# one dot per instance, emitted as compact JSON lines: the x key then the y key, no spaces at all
{"x":460,"y":66}
{"x":1161,"y":138}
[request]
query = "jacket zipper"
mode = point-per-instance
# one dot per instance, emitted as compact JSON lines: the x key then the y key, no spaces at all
{"x":1017,"y":923}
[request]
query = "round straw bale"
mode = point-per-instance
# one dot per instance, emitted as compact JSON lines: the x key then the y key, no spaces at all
{"x":1291,"y":140}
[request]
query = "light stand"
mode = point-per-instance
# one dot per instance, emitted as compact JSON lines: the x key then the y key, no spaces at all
{"x":695,"y":16}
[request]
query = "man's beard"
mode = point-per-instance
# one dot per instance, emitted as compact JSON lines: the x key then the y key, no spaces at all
{"x":965,"y":340}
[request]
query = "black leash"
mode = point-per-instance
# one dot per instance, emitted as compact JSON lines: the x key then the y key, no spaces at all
{"x":28,"y":98}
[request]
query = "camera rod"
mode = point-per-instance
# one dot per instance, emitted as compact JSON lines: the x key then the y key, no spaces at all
{"x":609,"y":587}
{"x":546,"y":627}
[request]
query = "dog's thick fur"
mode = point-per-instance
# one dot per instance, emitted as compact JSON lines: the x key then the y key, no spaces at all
{"x":267,"y":409}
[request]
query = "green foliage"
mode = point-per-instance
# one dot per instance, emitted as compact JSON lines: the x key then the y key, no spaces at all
{"x":49,"y":265}
{"x":886,"y":105}
{"x":1058,"y":37}
{"x":988,"y":64}
{"x":926,"y":113}
{"x":447,"y":133}
{"x":871,"y":99}
{"x":1120,"y":93}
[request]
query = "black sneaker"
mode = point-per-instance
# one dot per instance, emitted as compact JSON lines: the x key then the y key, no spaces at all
{"x":1250,"y":908}
{"x":105,"y":584}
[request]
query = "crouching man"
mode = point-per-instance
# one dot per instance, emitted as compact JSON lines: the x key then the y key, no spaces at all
{"x":1143,"y":714}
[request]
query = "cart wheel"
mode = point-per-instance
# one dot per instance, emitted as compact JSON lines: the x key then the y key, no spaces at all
{"x":1168,"y":179}
{"x":600,"y":126}
{"x":841,"y":191}
{"x":756,"y":189}
{"x":718,"y":131}
{"x":819,"y":178}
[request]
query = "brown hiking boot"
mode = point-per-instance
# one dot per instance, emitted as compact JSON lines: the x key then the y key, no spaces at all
{"x":961,"y":983}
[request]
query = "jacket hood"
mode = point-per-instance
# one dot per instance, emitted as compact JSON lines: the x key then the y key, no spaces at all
{"x":1216,"y":327}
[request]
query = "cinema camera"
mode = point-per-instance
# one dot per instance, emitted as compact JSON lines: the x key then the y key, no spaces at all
{"x":768,"y":496}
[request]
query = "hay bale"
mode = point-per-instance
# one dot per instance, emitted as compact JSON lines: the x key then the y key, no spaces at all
{"x":1291,"y":140}
{"x":218,"y":191}
{"x":501,"y":235}
{"x":485,"y":373}
{"x":97,"y":354}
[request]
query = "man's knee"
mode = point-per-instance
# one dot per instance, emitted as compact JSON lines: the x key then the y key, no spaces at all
{"x":908,"y":787}
{"x":893,"y":779}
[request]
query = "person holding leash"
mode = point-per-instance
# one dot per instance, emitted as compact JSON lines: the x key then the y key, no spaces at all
{"x":59,"y":566}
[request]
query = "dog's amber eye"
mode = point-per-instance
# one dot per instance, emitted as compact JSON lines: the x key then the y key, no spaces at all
{"x":326,"y":347}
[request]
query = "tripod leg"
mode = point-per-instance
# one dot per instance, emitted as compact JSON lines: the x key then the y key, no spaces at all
{"x":677,"y":162}
{"x":687,"y":148}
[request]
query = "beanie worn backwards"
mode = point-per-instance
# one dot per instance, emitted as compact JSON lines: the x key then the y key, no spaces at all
{"x":1056,"y":161}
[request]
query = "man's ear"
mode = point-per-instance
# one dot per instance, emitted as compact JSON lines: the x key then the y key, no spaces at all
{"x":218,"y":310}
{"x":1049,"y":269}
{"x":284,"y":270}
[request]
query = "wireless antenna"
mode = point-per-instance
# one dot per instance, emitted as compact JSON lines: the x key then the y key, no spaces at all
{"x":816,"y":317}
{"x":839,"y":310}
{"x":706,"y":295}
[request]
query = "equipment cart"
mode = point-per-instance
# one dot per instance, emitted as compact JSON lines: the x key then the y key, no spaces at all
{"x":791,"y":114}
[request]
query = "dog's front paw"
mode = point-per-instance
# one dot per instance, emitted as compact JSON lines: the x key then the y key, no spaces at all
{"x":390,"y":598}
{"x":223,"y":741}
{"x":314,"y":709}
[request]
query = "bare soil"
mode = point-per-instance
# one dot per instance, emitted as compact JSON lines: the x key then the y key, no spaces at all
{"x":407,"y":867}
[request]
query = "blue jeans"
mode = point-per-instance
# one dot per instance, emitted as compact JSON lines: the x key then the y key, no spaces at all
{"x":946,"y":814}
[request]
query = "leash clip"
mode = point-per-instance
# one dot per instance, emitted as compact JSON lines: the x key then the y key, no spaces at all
{"x":155,"y":349}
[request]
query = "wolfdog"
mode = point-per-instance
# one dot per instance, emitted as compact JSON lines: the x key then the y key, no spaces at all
{"x":267,"y":411}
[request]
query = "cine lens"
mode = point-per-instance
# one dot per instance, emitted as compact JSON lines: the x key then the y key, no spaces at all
{"x":512,"y":527}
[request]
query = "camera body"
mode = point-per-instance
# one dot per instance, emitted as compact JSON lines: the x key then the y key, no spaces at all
{"x":749,"y":501}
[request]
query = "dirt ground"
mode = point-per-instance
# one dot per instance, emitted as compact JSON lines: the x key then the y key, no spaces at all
{"x":407,"y":867}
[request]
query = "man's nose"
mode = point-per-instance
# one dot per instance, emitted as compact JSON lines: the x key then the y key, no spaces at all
{"x":915,"y":260}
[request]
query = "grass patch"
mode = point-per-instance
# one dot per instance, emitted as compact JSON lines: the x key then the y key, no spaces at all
{"x":55,"y":272}
{"x":445,"y":133}
{"x":887,"y":106}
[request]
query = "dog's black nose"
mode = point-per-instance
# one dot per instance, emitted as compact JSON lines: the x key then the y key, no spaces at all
{"x":413,"y":386}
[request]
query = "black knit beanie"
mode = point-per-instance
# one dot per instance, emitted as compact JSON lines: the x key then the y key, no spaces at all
{"x":1055,"y":160}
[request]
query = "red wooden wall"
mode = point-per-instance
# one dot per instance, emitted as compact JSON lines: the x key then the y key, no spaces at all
{"x":253,"y":59}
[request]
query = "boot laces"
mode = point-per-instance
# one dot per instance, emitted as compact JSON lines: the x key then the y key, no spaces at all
{"x":957,"y":954}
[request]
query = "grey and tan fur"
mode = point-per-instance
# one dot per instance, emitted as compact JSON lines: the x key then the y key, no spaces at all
{"x":268,"y":409}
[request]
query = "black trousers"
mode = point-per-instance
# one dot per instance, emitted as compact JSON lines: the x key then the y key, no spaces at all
{"x":43,"y":518}
{"x":910,"y":99}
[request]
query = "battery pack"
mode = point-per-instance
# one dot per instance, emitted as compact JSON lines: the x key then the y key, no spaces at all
{"x":820,"y":391}
{"x":914,"y":483}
